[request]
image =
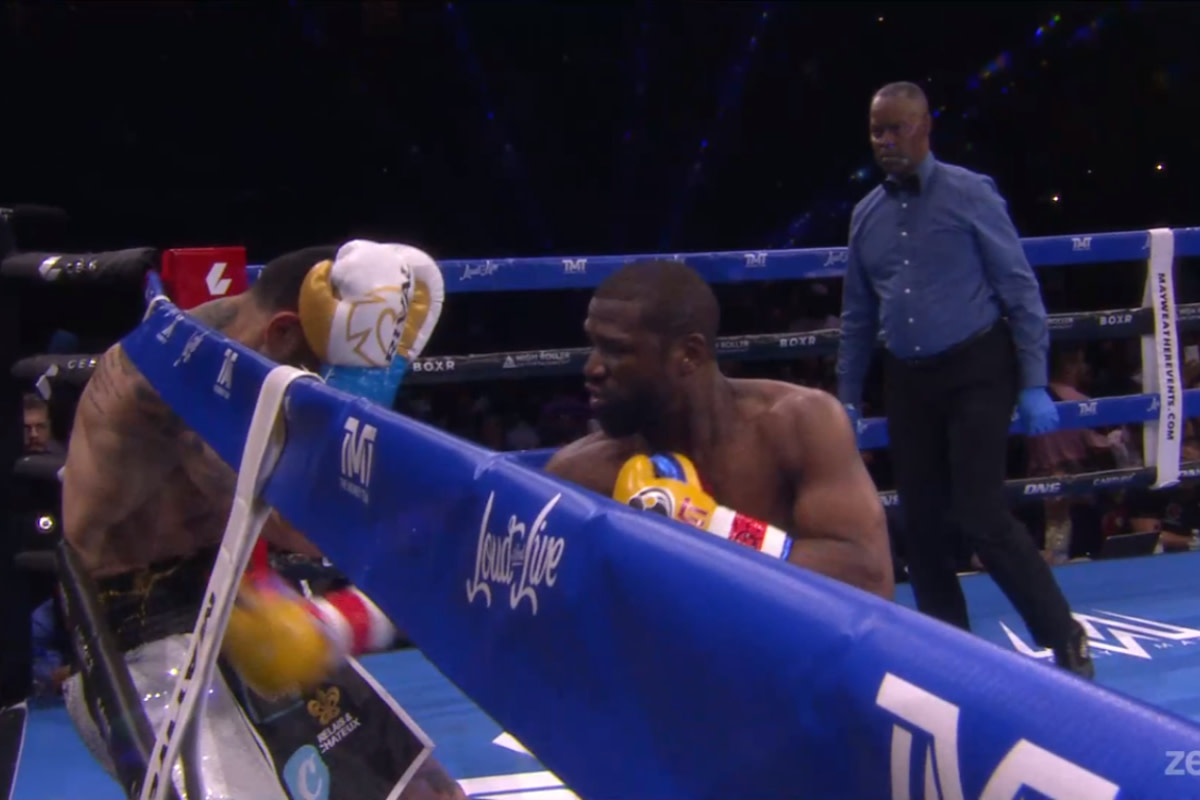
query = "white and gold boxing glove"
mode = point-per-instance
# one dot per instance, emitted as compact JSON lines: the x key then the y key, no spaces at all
{"x":425,"y":308}
{"x":364,"y":314}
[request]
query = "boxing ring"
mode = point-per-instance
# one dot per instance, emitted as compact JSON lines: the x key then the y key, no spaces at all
{"x":639,"y":658}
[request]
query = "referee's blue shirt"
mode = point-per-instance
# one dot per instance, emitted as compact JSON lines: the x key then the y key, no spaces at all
{"x":932,"y":262}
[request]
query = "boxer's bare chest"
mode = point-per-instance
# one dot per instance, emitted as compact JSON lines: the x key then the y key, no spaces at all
{"x":748,"y":477}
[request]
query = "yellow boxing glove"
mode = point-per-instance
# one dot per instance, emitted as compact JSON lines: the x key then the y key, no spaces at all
{"x":276,"y":642}
{"x":668,"y":484}
{"x":665,"y":484}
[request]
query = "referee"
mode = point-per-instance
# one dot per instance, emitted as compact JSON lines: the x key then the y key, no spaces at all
{"x":936,"y":264}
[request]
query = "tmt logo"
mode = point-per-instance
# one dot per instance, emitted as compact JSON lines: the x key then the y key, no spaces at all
{"x":358,"y":458}
{"x":574,"y":266}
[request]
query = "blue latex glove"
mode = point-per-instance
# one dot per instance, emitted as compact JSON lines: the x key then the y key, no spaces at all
{"x":1037,"y":411}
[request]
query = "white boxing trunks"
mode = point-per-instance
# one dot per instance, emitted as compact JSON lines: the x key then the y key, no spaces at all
{"x":233,"y":762}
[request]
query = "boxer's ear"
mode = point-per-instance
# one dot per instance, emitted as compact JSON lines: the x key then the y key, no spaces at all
{"x":285,"y":343}
{"x":694,"y":352}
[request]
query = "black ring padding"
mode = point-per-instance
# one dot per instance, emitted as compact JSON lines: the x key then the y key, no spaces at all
{"x":1085,"y":326}
{"x":113,"y":701}
{"x":74,"y":370}
{"x":39,"y":466}
{"x":110,"y":266}
{"x":1084,"y":484}
{"x":40,"y":561}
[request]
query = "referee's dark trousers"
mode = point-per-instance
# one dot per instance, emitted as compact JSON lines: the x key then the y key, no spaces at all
{"x":948,"y":421}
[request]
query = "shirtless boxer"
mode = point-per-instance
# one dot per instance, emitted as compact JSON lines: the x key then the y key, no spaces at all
{"x":776,"y":466}
{"x":145,"y":505}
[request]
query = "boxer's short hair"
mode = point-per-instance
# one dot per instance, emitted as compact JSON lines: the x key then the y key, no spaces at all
{"x":675,"y":300}
{"x":278,"y":285}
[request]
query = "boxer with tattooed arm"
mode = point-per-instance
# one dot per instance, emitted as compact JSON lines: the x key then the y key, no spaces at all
{"x":145,"y":505}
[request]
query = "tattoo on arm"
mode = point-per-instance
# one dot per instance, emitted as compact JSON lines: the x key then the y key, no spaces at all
{"x":207,"y":470}
{"x":117,"y":388}
{"x":102,"y":388}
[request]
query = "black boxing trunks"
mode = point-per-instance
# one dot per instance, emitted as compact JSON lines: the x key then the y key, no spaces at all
{"x":154,"y":602}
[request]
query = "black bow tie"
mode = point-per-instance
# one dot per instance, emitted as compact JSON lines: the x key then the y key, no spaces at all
{"x":909,"y":183}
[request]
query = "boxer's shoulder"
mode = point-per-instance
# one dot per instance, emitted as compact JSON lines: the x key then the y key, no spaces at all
{"x":788,"y":416}
{"x":592,"y":462}
{"x":772,"y":401}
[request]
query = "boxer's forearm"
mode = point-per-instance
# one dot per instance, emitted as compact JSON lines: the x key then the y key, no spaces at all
{"x":846,"y":561}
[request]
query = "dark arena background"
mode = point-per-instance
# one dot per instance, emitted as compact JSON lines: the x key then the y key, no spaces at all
{"x":574,"y":132}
